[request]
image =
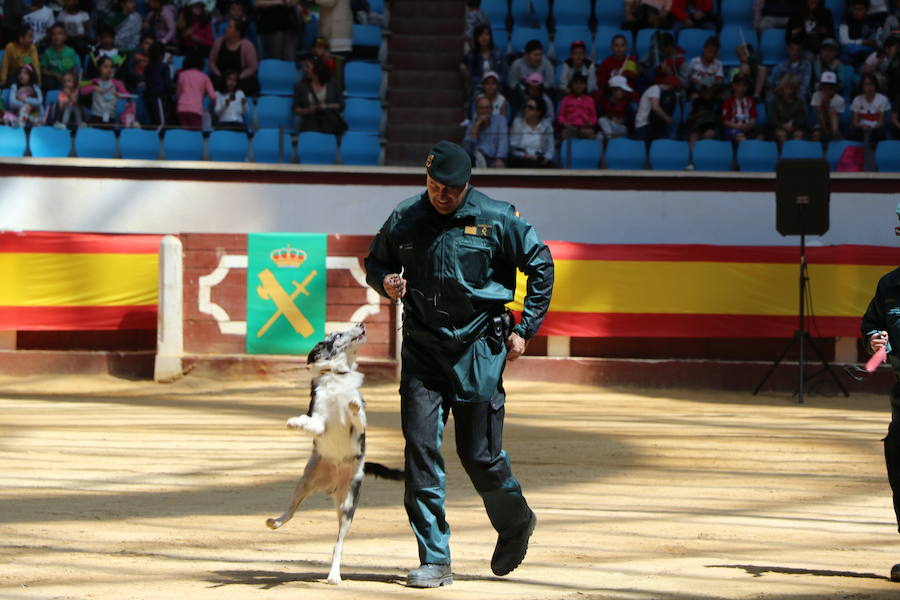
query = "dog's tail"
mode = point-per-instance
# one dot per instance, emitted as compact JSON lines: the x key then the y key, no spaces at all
{"x":379,"y":470}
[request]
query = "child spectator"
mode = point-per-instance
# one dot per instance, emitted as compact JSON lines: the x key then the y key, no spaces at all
{"x":577,"y":63}
{"x":531,"y":141}
{"x":577,"y":113}
{"x":693,"y":14}
{"x":65,"y":113}
{"x":486,"y":138}
{"x":39,"y":19}
{"x":317,"y":100}
{"x":705,"y":120}
{"x":749,"y":67}
{"x":77,"y":24}
{"x":788,"y":112}
{"x":739,"y":112}
{"x":105,"y":92}
{"x":768,"y":14}
{"x":132,"y":72}
{"x":829,"y":105}
{"x":858,"y":34}
{"x":647,"y":14}
{"x":892,"y":21}
{"x":616,"y":108}
{"x":127,"y":24}
{"x":231,"y":104}
{"x":655,"y":110}
{"x":869,"y":110}
{"x":796,"y":65}
{"x":17,"y":53}
{"x":827,"y":60}
{"x":483,"y":57}
{"x":25,"y":98}
{"x":106,"y":46}
{"x":195,"y":30}
{"x":704,"y":68}
{"x":534,"y":88}
{"x":58,"y":58}
{"x":321,"y":48}
{"x":160,"y":21}
{"x":491,"y":86}
{"x":474,"y":19}
{"x":811,"y":24}
{"x":880,"y":63}
{"x":619,"y":63}
{"x":193,"y":84}
{"x":158,"y":85}
{"x":233,"y":52}
{"x":533,"y":61}
{"x":672,"y":58}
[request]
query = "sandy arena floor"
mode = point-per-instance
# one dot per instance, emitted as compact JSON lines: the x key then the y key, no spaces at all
{"x":120,"y":490}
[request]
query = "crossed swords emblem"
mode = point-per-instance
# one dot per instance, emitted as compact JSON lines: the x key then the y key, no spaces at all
{"x":270,"y":289}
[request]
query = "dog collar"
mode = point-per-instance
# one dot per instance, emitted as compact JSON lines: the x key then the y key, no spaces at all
{"x":323,"y":371}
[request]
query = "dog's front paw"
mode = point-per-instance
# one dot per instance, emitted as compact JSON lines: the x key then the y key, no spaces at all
{"x":307,"y":423}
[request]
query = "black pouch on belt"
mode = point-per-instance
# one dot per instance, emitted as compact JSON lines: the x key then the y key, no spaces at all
{"x":499,"y":328}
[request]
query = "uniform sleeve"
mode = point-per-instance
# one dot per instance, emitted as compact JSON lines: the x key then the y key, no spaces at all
{"x":382,"y":260}
{"x":874,"y":319}
{"x":530,"y":255}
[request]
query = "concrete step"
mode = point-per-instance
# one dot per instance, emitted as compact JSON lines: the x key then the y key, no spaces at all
{"x":452,"y":10}
{"x":429,"y":98}
{"x":425,"y":115}
{"x":402,"y":61}
{"x":426,"y":44}
{"x":448,"y":80}
{"x":424,"y":26}
{"x":422,"y":132}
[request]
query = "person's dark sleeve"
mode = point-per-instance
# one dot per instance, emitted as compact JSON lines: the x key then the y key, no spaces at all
{"x":874,"y":319}
{"x":530,"y":255}
{"x":382,"y":259}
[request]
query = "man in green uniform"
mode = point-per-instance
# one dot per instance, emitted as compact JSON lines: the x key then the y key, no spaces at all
{"x":881,"y":329}
{"x":451,"y":254}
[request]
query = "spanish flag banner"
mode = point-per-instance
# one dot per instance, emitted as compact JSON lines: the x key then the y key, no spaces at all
{"x":708,"y":291}
{"x":77,"y":281}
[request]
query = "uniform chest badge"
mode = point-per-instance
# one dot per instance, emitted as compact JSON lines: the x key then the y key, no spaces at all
{"x":479,"y":230}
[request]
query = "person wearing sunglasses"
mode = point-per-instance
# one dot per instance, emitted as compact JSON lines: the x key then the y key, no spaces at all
{"x":531,"y":141}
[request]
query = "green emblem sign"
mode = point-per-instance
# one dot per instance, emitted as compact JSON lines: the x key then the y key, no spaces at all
{"x":285,"y":292}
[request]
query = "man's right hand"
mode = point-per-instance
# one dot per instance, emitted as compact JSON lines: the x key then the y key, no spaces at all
{"x":878,"y":341}
{"x":394,"y":286}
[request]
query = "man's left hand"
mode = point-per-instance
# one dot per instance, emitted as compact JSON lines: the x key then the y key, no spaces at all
{"x":515,"y":344}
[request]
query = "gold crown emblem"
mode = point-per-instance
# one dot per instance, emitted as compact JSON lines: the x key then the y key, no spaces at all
{"x":288,"y":258}
{"x":429,"y":160}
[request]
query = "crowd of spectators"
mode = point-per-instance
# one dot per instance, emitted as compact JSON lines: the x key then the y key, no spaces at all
{"x":836,"y":80}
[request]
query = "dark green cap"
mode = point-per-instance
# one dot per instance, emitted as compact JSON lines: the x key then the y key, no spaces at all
{"x":449,"y":164}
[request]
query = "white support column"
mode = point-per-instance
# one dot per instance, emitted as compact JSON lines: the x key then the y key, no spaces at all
{"x":845,"y":350}
{"x":170,"y":322}
{"x":558,"y":346}
{"x":7,"y":340}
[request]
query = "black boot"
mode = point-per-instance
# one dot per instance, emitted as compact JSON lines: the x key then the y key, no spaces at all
{"x":509,"y":553}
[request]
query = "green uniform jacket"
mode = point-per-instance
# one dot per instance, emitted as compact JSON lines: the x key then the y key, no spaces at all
{"x":461,"y":272}
{"x":883,"y":314}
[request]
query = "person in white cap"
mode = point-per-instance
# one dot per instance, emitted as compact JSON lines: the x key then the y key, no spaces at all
{"x":490,"y":83}
{"x":829,"y":105}
{"x":616,"y":108}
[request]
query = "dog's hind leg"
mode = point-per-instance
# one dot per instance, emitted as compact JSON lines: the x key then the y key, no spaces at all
{"x":305,"y":487}
{"x":346,"y":507}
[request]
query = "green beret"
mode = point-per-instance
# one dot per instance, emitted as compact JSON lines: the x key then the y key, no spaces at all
{"x":449,"y":164}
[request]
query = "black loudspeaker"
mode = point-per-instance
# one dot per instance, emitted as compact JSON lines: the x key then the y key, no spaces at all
{"x":802,"y":192}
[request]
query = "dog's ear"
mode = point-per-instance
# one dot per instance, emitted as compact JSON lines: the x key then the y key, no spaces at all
{"x":321,"y":351}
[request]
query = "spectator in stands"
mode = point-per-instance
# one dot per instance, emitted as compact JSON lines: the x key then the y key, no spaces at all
{"x":58,"y":58}
{"x":796,"y":65}
{"x":619,"y":63}
{"x":878,"y":11}
{"x":491,"y":86}
{"x":317,"y":100}
{"x":749,"y":67}
{"x":160,"y":21}
{"x":21,"y":51}
{"x":891,"y":25}
{"x":577,"y":113}
{"x":577,"y":63}
{"x":655,"y":110}
{"x":105,"y":92}
{"x":335,"y":63}
{"x":195,"y":30}
{"x":534,"y":88}
{"x":128,"y":24}
{"x":279,"y":26}
{"x":77,"y":23}
{"x":811,"y":24}
{"x":132,"y":71}
{"x":671,"y":59}
{"x":693,"y":14}
{"x":336,"y":24}
{"x":474,"y":18}
{"x":858,"y":34}
{"x":486,"y":138}
{"x":647,"y":14}
{"x":788,"y":115}
{"x":615,"y":109}
{"x":739,"y":112}
{"x":231,"y":104}
{"x":829,"y":105}
{"x":827,"y":60}
{"x":482,"y":58}
{"x":193,"y":84}
{"x":704,"y":68}
{"x":533,"y":61}
{"x":233,"y":52}
{"x":768,"y":14}
{"x":158,"y":86}
{"x":39,"y":19}
{"x":869,"y":110}
{"x":705,"y":119}
{"x":879,"y":62}
{"x":531,"y":142}
{"x":106,"y":47}
{"x":25,"y":99}
{"x":65,"y":113}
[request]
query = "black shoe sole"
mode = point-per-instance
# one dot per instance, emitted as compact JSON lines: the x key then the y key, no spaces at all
{"x":430,"y":583}
{"x":530,"y":530}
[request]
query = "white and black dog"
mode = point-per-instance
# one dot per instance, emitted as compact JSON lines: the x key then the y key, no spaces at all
{"x":337,"y":419}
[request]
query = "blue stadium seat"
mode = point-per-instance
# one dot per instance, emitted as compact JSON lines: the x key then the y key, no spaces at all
{"x":363,"y":115}
{"x":772,"y":48}
{"x":762,"y":115}
{"x":360,"y":148}
{"x":691,"y":40}
{"x":609,"y":12}
{"x":801,"y":149}
{"x":730,"y":38}
{"x":737,"y":12}
{"x":501,"y":37}
{"x":669,"y":155}
{"x":366,"y":36}
{"x":317,"y":148}
{"x":603,"y":40}
{"x":836,"y":149}
{"x":522,"y":35}
{"x":376,"y":6}
{"x":837,"y":8}
{"x":565,"y":35}
{"x":274,"y":111}
{"x":50,"y":142}
{"x":585,"y":154}
{"x":712,"y":155}
{"x":572,"y":12}
{"x":183,"y":144}
{"x":51,"y":97}
{"x":642,"y":42}
{"x":228,"y":146}
{"x":757,"y":156}
{"x":887,"y":156}
{"x":268,"y":147}
{"x":139,"y":144}
{"x":624,"y":153}
{"x":310,"y":32}
{"x":12,"y":141}
{"x":277,"y":77}
{"x":91,"y":142}
{"x":362,"y":79}
{"x":530,"y":13}
{"x":177,"y":63}
{"x":5,"y":96}
{"x":496,"y":12}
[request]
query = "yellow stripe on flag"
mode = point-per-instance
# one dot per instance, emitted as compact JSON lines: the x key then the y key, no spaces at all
{"x":596,"y":286}
{"x":36,"y":279}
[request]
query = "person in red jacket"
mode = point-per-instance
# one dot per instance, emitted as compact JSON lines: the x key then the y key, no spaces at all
{"x":577,"y":113}
{"x":620,"y":63}
{"x":693,"y":14}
